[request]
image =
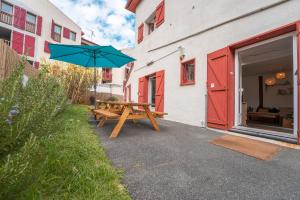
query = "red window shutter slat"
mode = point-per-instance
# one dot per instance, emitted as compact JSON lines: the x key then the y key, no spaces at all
{"x":66,"y":33}
{"x":160,"y":14}
{"x":46,"y":47}
{"x":19,"y":17}
{"x":18,"y":42}
{"x":29,"y":46}
{"x":160,"y":91}
{"x":140,"y":33}
{"x":52,"y":29}
{"x":39,"y":25}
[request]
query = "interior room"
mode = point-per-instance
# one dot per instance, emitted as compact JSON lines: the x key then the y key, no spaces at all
{"x":267,"y":86}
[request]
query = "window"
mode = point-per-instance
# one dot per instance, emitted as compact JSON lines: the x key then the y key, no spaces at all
{"x":7,"y":8}
{"x":6,"y":13}
{"x":31,"y":18}
{"x":188,"y":72}
{"x":30,"y":22}
{"x":57,"y":29}
{"x":57,"y":33}
{"x":151,"y":23}
{"x":72,"y":36}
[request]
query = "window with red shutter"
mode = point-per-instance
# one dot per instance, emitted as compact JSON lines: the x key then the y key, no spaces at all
{"x":140,"y":33}
{"x":29,"y":46}
{"x":66,"y":33}
{"x":160,"y":14}
{"x":19,"y":17}
{"x":46,"y":47}
{"x":39,"y":25}
{"x":17,"y":42}
{"x":187,"y":73}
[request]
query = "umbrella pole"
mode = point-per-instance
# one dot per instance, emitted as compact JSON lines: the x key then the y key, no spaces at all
{"x":95,"y":87}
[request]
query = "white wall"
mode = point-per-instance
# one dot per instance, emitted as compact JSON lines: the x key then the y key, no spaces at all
{"x":270,"y":94}
{"x":182,"y":18}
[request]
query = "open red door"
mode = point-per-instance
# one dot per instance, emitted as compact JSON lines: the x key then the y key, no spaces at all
{"x":160,"y":90}
{"x":298,"y":44}
{"x":219,"y":89}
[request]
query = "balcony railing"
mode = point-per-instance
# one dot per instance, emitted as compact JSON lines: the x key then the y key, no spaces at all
{"x":57,"y":37}
{"x":30,"y":27}
{"x":5,"y":18}
{"x":7,"y":42}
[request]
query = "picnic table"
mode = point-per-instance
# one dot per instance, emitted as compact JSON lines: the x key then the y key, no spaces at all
{"x":123,"y":111}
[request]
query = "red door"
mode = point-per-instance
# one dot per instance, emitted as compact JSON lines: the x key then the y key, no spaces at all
{"x":160,"y":91}
{"x":143,"y":90}
{"x":298,"y":39}
{"x":217,"y":89}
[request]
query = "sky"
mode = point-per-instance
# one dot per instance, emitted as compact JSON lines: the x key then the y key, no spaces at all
{"x":110,"y":22}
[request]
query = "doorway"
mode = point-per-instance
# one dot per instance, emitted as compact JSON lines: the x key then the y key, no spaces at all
{"x":266,"y":87}
{"x":152,"y":91}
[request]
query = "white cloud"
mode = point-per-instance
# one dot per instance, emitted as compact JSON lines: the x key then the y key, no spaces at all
{"x":111,"y":23}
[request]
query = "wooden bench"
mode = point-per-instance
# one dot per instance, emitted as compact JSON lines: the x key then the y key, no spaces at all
{"x":105,"y":115}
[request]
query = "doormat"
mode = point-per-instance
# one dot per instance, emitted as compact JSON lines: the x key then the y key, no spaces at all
{"x":258,"y":149}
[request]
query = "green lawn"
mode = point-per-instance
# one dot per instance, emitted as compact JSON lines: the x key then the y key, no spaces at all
{"x":69,"y":164}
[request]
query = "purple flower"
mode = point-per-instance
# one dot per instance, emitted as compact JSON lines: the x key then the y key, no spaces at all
{"x":9,"y":121}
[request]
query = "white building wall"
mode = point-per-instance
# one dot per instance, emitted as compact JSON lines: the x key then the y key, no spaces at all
{"x":187,"y":104}
{"x":48,"y":11}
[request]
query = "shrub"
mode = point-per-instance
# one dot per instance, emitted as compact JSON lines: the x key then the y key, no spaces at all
{"x":27,"y":110}
{"x":78,"y":80}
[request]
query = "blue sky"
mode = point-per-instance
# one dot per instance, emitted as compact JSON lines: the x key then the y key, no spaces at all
{"x":110,"y":22}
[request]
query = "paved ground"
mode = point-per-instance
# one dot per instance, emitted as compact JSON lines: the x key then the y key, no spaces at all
{"x":179,"y":163}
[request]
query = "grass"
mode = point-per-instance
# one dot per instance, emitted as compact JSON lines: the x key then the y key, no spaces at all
{"x":69,"y":164}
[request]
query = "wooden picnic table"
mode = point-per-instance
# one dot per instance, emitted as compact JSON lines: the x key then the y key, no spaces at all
{"x":123,"y":111}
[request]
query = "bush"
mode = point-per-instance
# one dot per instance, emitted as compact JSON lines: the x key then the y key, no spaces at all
{"x":77,"y":80}
{"x":27,"y":109}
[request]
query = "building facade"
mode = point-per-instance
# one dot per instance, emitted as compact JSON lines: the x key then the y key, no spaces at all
{"x":28,"y":26}
{"x":190,"y":54}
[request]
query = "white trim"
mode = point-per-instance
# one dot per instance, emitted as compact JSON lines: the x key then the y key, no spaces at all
{"x":238,"y":106}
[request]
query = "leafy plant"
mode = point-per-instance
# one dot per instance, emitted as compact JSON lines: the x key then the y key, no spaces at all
{"x":27,"y":109}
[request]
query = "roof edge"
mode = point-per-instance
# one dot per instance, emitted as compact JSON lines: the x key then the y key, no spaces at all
{"x":132,"y":5}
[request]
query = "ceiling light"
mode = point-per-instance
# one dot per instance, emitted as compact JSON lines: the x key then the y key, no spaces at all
{"x":270,"y":81}
{"x":280,"y":75}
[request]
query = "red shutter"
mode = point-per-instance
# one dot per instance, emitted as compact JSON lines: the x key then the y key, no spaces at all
{"x":46,"y":47}
{"x":140,"y":33}
{"x":29,"y":46}
{"x":36,"y":64}
{"x":143,"y":90}
{"x":17,"y":42}
{"x":52,"y":29}
{"x":66,"y":33}
{"x":219,"y":88}
{"x":160,"y":91}
{"x":298,"y":70}
{"x":19,"y":17}
{"x":39,"y":25}
{"x":160,"y":14}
